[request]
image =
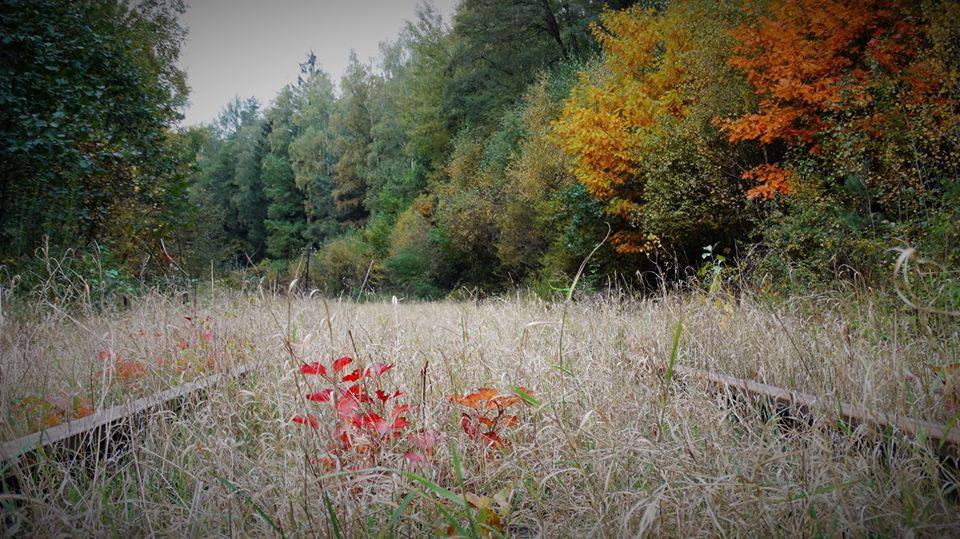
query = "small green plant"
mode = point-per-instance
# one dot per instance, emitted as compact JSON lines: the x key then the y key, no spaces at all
{"x":711,"y":271}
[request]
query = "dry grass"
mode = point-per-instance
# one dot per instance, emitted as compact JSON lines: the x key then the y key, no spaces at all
{"x":611,"y":452}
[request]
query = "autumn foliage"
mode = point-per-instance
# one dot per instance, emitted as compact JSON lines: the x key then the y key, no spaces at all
{"x":367,"y":424}
{"x":366,"y":421}
{"x":638,"y":127}
{"x":823,"y":67}
{"x":612,"y":116}
{"x":807,"y":121}
{"x":486,"y":415}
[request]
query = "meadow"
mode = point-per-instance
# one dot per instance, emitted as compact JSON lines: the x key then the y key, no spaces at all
{"x":590,"y":438}
{"x":480,"y":278}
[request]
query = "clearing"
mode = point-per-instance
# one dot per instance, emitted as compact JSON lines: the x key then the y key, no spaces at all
{"x":599,"y":445}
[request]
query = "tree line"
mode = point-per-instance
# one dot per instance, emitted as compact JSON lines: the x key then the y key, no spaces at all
{"x":800,"y":140}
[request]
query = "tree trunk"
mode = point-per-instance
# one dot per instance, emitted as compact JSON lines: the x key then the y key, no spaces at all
{"x":553,"y":27}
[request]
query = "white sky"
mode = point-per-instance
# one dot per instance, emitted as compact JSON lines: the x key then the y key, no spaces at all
{"x":252,"y":47}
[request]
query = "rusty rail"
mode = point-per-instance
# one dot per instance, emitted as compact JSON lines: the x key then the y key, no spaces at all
{"x":804,"y":407}
{"x":80,"y":433}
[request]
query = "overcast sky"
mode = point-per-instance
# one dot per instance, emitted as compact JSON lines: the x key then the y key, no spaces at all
{"x":252,"y":47}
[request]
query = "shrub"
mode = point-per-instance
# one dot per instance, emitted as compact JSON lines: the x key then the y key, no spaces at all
{"x":485,"y":416}
{"x":369,"y":426}
{"x":344,"y":264}
{"x":410,"y":266}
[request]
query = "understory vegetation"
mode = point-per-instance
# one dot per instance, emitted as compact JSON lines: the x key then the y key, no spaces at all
{"x":598,"y":444}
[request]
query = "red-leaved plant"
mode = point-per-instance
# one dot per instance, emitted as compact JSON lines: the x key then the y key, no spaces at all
{"x":486,"y":414}
{"x":369,"y":421}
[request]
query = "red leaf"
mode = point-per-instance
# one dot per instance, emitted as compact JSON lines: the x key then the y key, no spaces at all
{"x":347,"y":405}
{"x":309,"y":420}
{"x":382,"y":396}
{"x":344,"y":439}
{"x":339,"y":364}
{"x":379,"y":368}
{"x":320,"y":396}
{"x":425,"y":440}
{"x":493,"y":440}
{"x":469,"y":427}
{"x":382,"y":426}
{"x":354,"y":376}
{"x":399,"y":409}
{"x":415,"y":458}
{"x":357,"y":392}
{"x":400,"y":423}
{"x":313,"y":368}
{"x":377,"y":422}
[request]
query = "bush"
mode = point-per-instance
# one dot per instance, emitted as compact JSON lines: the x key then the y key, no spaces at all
{"x":410,"y":267}
{"x":86,"y":277}
{"x":345,"y":264}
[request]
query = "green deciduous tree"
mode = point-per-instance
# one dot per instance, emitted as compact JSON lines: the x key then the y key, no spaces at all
{"x":88,"y":90}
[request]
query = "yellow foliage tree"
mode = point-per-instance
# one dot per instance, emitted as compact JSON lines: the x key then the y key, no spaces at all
{"x":621,"y":122}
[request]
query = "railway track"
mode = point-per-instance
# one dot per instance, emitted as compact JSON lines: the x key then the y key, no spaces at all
{"x":101,"y":434}
{"x":802,"y":408}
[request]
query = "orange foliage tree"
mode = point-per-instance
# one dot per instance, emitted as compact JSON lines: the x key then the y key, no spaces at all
{"x":828,"y":68}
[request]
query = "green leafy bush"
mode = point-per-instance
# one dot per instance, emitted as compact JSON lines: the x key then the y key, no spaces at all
{"x":410,"y":266}
{"x":345,"y":264}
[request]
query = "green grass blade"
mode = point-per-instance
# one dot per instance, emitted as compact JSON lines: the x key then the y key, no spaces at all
{"x":952,"y":424}
{"x":562,"y":369}
{"x":395,"y":515}
{"x":458,"y":469}
{"x":333,"y":517}
{"x":447,"y":515}
{"x":256,"y":507}
{"x":452,"y":520}
{"x":437,"y":489}
{"x":526,"y":397}
{"x":674,"y":352}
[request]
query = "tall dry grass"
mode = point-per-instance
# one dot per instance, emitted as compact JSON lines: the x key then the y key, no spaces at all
{"x":610,"y":452}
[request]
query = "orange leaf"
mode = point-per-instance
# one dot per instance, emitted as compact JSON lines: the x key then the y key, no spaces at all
{"x":493,"y":440}
{"x":503,"y":401}
{"x":475,"y":398}
{"x":82,"y":407}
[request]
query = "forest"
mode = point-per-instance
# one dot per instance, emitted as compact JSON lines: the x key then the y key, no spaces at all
{"x":562,"y":268}
{"x":793,"y":143}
